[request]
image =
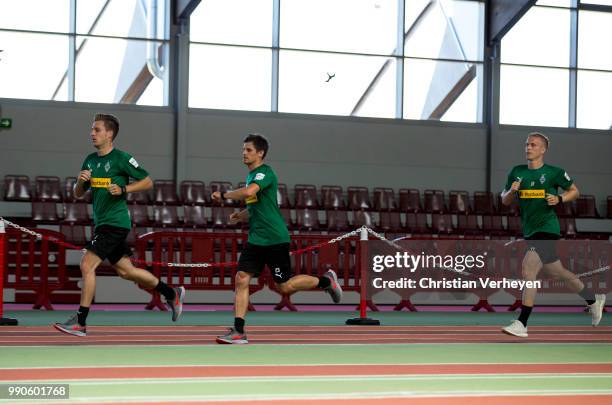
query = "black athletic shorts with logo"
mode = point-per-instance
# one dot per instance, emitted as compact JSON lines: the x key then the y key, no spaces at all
{"x":255,"y":257}
{"x":108,"y":242}
{"x":545,"y":245}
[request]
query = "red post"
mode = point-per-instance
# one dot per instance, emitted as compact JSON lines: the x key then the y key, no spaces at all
{"x":363,"y":269}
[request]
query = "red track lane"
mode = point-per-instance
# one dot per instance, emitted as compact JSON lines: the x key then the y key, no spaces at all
{"x":170,"y":335}
{"x":76,"y":373}
{"x":455,"y":400}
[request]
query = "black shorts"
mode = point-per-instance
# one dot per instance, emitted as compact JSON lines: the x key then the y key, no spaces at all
{"x":255,"y":257}
{"x":545,"y":245}
{"x":109,"y":243}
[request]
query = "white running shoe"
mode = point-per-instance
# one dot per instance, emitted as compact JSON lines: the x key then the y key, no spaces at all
{"x":596,"y":309}
{"x":516,"y":328}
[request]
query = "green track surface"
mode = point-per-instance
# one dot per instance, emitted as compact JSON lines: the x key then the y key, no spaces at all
{"x":277,"y":318}
{"x":462,"y":353}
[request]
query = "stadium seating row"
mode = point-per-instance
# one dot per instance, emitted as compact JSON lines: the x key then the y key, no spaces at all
{"x":196,"y":193}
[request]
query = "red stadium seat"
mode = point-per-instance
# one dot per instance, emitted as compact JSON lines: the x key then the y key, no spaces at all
{"x":194,"y":193}
{"x":442,"y":223}
{"x":194,"y":216}
{"x":586,"y":207}
{"x":336,"y":220}
{"x":410,"y":200}
{"x":282,"y":196}
{"x":361,"y":218}
{"x":164,"y":192}
{"x":458,"y":202}
{"x":48,"y":188}
{"x":139,"y":215}
{"x":74,"y":234}
{"x":515,"y":227}
{"x":165,"y":216}
{"x":468,"y":224}
{"x":493,"y":225}
{"x":511,"y":210}
{"x":384,"y":199}
{"x":417,"y":222}
{"x":76,"y":213}
{"x":17,"y":188}
{"x":434,"y":201}
{"x":44,"y":212}
{"x":306,"y":196}
{"x":358,"y":198}
{"x":307,"y":219}
{"x":331,"y":197}
{"x":220,"y":217}
{"x":139,"y":197}
{"x":390,"y":221}
{"x":286,"y":213}
{"x":483,"y":203}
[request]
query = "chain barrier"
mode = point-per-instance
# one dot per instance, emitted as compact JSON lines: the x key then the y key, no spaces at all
{"x":337,"y":239}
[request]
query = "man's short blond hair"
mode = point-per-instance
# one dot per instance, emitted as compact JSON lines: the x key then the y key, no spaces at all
{"x":541,"y":136}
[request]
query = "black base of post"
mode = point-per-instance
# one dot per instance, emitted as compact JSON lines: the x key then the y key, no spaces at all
{"x":362,"y":321}
{"x":8,"y":321}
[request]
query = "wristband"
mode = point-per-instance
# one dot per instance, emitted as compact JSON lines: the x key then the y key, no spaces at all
{"x":123,"y":190}
{"x":560,"y":199}
{"x":223,"y":195}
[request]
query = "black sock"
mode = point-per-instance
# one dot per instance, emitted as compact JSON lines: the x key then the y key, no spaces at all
{"x":239,"y":325}
{"x":525,"y":312}
{"x":324,"y":282}
{"x":165,"y":290}
{"x":82,"y":315}
{"x":587,"y":295}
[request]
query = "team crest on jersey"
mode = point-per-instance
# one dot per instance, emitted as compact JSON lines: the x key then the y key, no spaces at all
{"x":543,"y":178}
{"x":532,"y":184}
{"x":567,"y":177}
{"x":134,"y":163}
{"x":107,"y":167}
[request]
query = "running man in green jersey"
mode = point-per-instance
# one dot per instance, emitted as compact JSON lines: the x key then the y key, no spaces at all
{"x":536,"y":185}
{"x":107,"y":172}
{"x":268,"y":242}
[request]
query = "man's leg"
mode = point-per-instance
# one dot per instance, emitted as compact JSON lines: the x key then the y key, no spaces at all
{"x":174,"y":296}
{"x":236,"y":335}
{"x":595,"y":302}
{"x":530,"y":269}
{"x":75,"y":325}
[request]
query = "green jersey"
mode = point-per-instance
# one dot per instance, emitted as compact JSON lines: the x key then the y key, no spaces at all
{"x":536,"y":214}
{"x":266,"y":224}
{"x":115,"y":167}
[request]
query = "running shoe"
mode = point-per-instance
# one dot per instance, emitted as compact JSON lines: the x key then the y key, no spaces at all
{"x":71,"y":327}
{"x":516,"y":328}
{"x":334,"y":289}
{"x":596,"y":309}
{"x":232,"y":337}
{"x":177,"y":303}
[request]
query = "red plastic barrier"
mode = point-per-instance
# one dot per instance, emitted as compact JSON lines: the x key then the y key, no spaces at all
{"x":35,"y":265}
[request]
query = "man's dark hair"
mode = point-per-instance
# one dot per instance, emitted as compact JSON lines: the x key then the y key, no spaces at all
{"x":259,"y":141}
{"x":111,"y":123}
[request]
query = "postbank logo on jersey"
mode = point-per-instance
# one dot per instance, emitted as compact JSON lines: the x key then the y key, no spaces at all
{"x":532,"y":194}
{"x":100,"y":182}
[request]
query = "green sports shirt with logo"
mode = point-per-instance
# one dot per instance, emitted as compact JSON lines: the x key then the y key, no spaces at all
{"x":266,"y":224}
{"x":536,"y":214}
{"x":115,"y":167}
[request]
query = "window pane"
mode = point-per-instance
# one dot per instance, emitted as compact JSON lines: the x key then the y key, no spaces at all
{"x":340,"y":25}
{"x":245,"y":22}
{"x":305,"y":85}
{"x":594,"y":33}
{"x":534,"y":96}
{"x":32,"y":65}
{"x":442,"y":90}
{"x":35,"y":15}
{"x":120,"y":18}
{"x":228,"y":77}
{"x":594,"y":89}
{"x":556,"y":3}
{"x":448,"y":29}
{"x":541,"y":37}
{"x":114,"y":70}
